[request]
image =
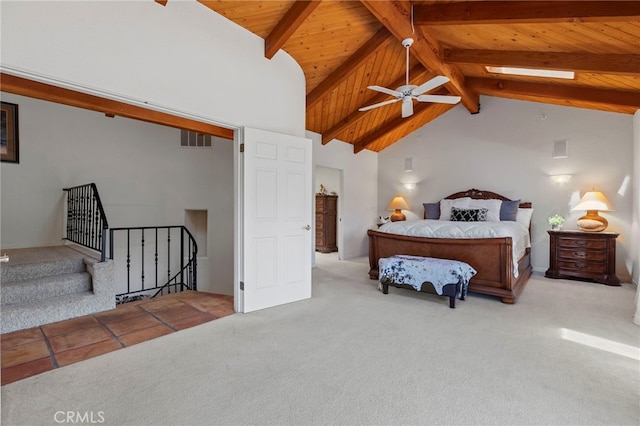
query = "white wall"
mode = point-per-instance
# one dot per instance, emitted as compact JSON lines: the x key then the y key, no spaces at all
{"x":507,"y":148}
{"x":328,"y":177}
{"x":636,"y":199}
{"x":360,"y":193}
{"x":183,"y":56}
{"x":143,"y":176}
{"x":635,"y":239}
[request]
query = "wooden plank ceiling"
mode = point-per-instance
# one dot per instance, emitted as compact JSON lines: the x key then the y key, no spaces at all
{"x":345,"y":46}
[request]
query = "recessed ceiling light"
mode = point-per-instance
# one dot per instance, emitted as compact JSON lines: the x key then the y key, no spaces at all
{"x":532,"y":72}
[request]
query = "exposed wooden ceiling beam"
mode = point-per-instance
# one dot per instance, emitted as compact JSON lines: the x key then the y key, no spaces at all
{"x":608,"y":100}
{"x":574,"y":61}
{"x":46,"y":92}
{"x":422,"y":113}
{"x":379,"y":41}
{"x":419,"y":74}
{"x":289,"y":23}
{"x":516,"y":12}
{"x":396,"y":17}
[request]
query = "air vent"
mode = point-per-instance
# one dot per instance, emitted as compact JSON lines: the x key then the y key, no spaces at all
{"x":194,"y":140}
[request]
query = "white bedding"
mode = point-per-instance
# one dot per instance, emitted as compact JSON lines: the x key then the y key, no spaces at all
{"x":446,"y":229}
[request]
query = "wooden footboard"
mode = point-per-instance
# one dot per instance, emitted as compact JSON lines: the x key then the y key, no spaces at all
{"x":490,"y":257}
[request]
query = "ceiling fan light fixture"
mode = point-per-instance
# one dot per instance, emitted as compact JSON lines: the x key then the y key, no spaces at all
{"x":532,"y":72}
{"x":407,"y":93}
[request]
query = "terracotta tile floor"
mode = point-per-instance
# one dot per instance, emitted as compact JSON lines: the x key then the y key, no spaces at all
{"x":33,"y":351}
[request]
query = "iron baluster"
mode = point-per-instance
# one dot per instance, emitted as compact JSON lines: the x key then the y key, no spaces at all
{"x":93,"y":222}
{"x":182,"y":259}
{"x":128,"y":260}
{"x":169,"y":258}
{"x":142,"y":250}
{"x":156,"y":257}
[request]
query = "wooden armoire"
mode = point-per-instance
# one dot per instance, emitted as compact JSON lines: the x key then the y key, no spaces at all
{"x":326,"y":223}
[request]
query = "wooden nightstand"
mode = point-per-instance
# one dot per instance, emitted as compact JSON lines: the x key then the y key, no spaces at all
{"x":583,"y":255}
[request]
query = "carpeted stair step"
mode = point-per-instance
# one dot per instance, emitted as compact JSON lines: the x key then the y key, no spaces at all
{"x":26,"y":315}
{"x":45,"y":287}
{"x":26,"y":264}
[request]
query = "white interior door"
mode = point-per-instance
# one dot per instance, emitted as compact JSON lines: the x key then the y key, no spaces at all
{"x":277,"y":212}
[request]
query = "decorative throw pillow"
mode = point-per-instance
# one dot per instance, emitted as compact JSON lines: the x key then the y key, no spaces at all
{"x":431,"y":210}
{"x":492,"y":206}
{"x":446,"y":204}
{"x":509,"y":210}
{"x":468,"y":215}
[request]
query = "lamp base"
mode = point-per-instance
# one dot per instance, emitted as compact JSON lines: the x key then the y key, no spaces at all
{"x":592,"y":222}
{"x":397,"y":216}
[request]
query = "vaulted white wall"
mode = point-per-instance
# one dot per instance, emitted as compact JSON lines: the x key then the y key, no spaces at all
{"x":507,"y":148}
{"x":183,"y":56}
{"x":635,"y":232}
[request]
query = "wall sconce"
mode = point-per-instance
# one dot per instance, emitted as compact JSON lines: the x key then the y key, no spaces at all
{"x":409,"y":185}
{"x":408,"y":165}
{"x":560,"y":178}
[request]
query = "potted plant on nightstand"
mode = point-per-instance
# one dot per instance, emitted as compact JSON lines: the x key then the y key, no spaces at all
{"x":556,"y":222}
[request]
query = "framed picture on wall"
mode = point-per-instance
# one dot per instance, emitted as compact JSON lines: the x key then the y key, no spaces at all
{"x":9,"y":133}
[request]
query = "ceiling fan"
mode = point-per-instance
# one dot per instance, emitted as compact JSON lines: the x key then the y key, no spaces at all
{"x":409,"y":92}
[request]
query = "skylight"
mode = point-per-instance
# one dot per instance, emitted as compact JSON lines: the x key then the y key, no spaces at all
{"x":532,"y":72}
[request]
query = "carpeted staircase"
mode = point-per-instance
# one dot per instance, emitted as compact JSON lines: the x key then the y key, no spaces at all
{"x":48,"y":284}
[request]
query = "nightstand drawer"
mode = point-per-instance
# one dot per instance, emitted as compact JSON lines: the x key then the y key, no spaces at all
{"x":582,"y":266}
{"x":579,"y":254}
{"x":586,"y":243}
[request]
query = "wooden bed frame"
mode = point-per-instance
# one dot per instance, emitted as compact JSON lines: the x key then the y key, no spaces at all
{"x":492,"y":258}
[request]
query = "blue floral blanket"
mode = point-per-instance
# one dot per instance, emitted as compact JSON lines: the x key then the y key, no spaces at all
{"x":416,"y":270}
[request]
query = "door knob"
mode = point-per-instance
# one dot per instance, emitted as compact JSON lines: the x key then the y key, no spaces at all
{"x":307,"y":227}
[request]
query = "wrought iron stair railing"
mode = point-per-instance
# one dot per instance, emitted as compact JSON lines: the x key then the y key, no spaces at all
{"x":159,"y":260}
{"x":86,"y":221}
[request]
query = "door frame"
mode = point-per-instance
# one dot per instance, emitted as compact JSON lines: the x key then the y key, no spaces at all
{"x":339,"y":227}
{"x":238,"y":213}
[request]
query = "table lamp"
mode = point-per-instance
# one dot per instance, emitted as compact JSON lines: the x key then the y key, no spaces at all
{"x":398,"y":204}
{"x":592,"y":202}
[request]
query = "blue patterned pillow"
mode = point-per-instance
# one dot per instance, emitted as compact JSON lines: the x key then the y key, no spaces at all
{"x":509,"y":210}
{"x":468,"y":215}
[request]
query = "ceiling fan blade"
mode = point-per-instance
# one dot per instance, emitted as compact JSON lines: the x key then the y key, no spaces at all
{"x":385,"y":90}
{"x":429,"y":85}
{"x":441,"y":99}
{"x":407,"y":108}
{"x":379,"y":104}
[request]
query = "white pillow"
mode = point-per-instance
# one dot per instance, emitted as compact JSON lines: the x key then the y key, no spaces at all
{"x":524,"y":216}
{"x":492,"y":206}
{"x":445,"y":206}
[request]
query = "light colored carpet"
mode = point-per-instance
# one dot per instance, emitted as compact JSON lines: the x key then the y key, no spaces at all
{"x":351,"y":355}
